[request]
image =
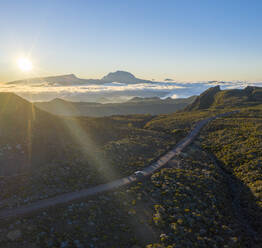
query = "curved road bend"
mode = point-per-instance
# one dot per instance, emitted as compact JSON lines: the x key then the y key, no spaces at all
{"x":68,"y":197}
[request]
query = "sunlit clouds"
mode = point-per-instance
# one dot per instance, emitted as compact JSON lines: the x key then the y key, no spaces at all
{"x":115,"y":92}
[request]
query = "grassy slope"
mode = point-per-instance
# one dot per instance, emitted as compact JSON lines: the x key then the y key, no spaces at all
{"x":189,"y":205}
{"x":236,"y":142}
{"x":184,"y":206}
{"x":97,"y":150}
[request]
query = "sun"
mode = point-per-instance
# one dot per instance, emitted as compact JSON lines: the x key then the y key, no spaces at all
{"x":24,"y":64}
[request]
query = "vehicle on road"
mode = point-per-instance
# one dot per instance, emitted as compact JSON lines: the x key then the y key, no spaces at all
{"x":67,"y":197}
{"x":139,"y":174}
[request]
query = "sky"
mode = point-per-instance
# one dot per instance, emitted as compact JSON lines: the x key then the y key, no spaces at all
{"x":183,"y":40}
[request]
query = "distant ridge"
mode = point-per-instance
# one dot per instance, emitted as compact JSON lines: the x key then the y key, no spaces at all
{"x":68,"y":79}
{"x":71,"y":79}
{"x":136,"y":105}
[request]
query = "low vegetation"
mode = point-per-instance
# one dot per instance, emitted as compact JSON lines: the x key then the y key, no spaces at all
{"x":209,"y":196}
{"x":236,"y":142}
{"x":186,"y":205}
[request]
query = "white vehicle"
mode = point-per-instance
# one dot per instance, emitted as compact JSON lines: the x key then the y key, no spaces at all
{"x":139,"y":173}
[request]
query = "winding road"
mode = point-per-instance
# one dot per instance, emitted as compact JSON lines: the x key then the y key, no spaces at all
{"x":69,"y":197}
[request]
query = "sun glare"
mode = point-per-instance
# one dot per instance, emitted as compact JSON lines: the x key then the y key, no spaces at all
{"x":24,"y":64}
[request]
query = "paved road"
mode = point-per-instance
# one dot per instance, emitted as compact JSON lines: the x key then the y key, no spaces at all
{"x":68,"y":197}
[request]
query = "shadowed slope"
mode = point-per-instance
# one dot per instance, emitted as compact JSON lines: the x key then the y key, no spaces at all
{"x":28,"y":135}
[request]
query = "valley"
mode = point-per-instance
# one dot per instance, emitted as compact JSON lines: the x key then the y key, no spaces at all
{"x":136,"y":105}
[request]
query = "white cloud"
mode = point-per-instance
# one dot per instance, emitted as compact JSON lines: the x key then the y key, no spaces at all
{"x":116,"y":91}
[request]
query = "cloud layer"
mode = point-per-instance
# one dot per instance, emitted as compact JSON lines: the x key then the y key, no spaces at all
{"x":117,"y":92}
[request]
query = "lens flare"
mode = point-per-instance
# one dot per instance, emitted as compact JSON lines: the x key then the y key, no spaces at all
{"x":24,"y":64}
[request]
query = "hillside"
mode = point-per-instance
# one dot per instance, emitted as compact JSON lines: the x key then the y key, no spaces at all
{"x":137,"y":105}
{"x":236,"y":145}
{"x":209,"y":196}
{"x":205,"y":100}
{"x":216,"y":98}
{"x":28,"y":134}
{"x":38,"y":139}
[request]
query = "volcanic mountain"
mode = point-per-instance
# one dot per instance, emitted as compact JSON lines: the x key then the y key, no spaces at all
{"x":71,"y":79}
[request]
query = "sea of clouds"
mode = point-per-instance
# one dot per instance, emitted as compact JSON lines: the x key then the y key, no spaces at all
{"x":117,"y":92}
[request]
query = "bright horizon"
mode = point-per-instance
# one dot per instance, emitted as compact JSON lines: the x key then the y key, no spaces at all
{"x":185,"y":41}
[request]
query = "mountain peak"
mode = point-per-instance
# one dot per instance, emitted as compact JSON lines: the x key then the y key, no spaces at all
{"x":205,"y":100}
{"x":57,"y":100}
{"x":119,"y":76}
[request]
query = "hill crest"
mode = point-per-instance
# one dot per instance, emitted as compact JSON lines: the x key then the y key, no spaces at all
{"x":214,"y":97}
